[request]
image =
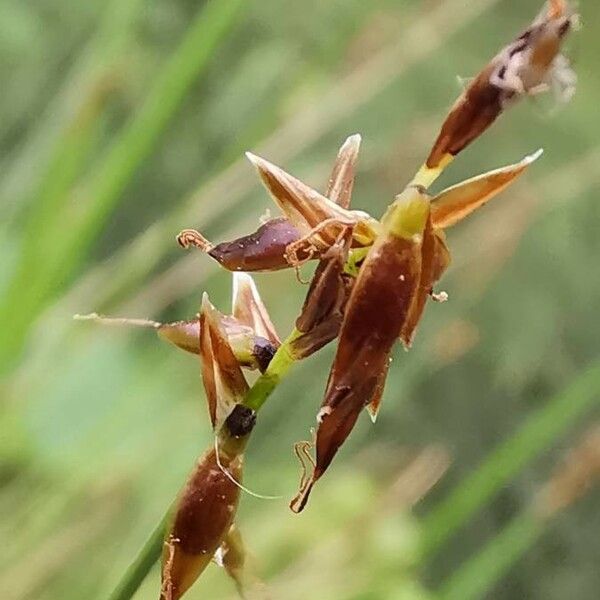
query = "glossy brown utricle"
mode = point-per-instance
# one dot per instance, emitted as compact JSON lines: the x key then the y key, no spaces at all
{"x":204,"y":514}
{"x":263,"y":250}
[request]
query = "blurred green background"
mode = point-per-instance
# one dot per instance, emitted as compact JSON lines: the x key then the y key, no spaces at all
{"x":123,"y":122}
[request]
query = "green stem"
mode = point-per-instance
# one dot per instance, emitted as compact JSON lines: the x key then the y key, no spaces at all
{"x":143,"y":562}
{"x":278,"y":367}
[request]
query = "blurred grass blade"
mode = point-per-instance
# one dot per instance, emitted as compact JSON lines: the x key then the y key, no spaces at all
{"x":475,"y":578}
{"x":575,"y":476}
{"x":143,"y":562}
{"x":44,"y":269}
{"x":44,"y":144}
{"x":542,"y":429}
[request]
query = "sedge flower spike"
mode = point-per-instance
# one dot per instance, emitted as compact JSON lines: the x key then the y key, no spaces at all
{"x":248,"y":329}
{"x":370,"y":288}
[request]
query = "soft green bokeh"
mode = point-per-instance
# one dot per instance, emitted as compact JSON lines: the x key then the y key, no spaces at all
{"x":122,"y":123}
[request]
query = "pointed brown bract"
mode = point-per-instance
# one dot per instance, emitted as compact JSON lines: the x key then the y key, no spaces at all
{"x":379,"y":304}
{"x":249,"y":309}
{"x":318,"y":219}
{"x":341,"y":182}
{"x":321,"y":316}
{"x":323,"y":310}
{"x":203,"y":516}
{"x":527,"y":66}
{"x":222,"y":375}
{"x":459,"y":201}
{"x":435,"y":259}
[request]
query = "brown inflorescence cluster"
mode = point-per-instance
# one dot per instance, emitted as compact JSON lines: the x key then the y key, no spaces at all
{"x":369,"y":289}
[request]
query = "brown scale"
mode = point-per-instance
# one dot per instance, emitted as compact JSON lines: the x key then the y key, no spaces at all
{"x":378,"y":307}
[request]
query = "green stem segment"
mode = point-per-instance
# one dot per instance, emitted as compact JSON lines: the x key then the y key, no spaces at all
{"x":278,"y":367}
{"x":143,"y":562}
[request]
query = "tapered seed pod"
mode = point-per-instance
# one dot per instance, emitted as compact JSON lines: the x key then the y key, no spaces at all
{"x":379,"y":304}
{"x":262,"y":250}
{"x":203,"y":516}
{"x":529,"y":65}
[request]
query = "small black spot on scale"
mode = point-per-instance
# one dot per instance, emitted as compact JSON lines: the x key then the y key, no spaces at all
{"x":564,"y":28}
{"x":263,"y":352}
{"x":241,"y":421}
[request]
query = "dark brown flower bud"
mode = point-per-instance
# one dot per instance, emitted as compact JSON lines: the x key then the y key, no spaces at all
{"x":378,"y":307}
{"x":529,"y":65}
{"x":263,"y":250}
{"x":203,"y":517}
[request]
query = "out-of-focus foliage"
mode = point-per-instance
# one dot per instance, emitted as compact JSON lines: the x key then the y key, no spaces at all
{"x":100,"y":426}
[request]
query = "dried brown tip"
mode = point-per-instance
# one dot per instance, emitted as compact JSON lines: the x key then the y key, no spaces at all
{"x":341,"y":182}
{"x":118,"y":321}
{"x":457,"y":202}
{"x":222,"y":375}
{"x":531,"y":64}
{"x":189,"y":238}
{"x":477,"y":108}
{"x":249,"y":309}
{"x":375,"y":403}
{"x":204,"y":515}
{"x":557,"y":9}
